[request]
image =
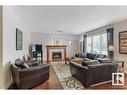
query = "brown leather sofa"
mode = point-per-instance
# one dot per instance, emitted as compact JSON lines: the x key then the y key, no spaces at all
{"x":94,"y":73}
{"x":25,"y":78}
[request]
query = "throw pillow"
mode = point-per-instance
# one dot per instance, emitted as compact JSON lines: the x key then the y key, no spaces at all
{"x":26,"y":65}
{"x":31,"y":64}
{"x":84,"y":55}
{"x":28,"y":57}
{"x":97,"y":56}
{"x":19,"y":63}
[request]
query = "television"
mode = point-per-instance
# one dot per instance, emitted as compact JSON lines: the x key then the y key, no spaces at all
{"x":36,"y":47}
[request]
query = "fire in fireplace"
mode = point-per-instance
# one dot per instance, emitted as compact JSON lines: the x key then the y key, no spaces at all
{"x":56,"y":56}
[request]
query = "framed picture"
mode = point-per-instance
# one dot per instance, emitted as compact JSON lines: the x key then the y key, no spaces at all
{"x":57,"y":41}
{"x":19,"y":39}
{"x":123,"y":42}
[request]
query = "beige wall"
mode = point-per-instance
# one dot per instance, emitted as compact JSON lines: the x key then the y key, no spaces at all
{"x":118,"y":27}
{"x":47,"y":39}
{"x":11,"y":21}
{"x":1,"y":46}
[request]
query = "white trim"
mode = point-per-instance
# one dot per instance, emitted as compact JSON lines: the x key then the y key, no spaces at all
{"x":6,"y":86}
{"x":101,"y":83}
{"x":125,"y":71}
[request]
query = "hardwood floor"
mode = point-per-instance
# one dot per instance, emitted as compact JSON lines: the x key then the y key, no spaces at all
{"x":109,"y":85}
{"x":53,"y":83}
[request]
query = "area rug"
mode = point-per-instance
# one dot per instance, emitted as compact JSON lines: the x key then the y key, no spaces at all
{"x":64,"y":75}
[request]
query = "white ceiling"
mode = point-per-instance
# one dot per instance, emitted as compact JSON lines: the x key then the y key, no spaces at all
{"x":69,"y":19}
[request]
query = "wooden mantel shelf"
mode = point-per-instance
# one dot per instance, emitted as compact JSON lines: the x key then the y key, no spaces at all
{"x":49,"y":47}
{"x":56,"y":46}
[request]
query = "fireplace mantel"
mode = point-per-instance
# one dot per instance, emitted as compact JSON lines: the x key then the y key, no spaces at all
{"x":54,"y":46}
{"x":49,"y":47}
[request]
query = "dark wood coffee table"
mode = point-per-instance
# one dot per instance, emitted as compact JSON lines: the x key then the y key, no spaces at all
{"x":75,"y":59}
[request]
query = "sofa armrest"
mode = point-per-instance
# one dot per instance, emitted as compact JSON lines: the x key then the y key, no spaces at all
{"x":78,"y":65}
{"x":29,"y":77}
{"x":80,"y":72}
{"x":34,"y":68}
{"x":22,"y":73}
{"x":33,"y":71}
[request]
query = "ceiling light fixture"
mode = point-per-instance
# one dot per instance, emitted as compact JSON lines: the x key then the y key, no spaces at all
{"x":59,"y":31}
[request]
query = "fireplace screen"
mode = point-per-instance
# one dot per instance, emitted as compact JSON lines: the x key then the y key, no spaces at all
{"x":56,"y":56}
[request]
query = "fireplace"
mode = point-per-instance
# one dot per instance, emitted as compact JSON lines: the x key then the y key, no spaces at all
{"x":56,"y":56}
{"x":52,"y":47}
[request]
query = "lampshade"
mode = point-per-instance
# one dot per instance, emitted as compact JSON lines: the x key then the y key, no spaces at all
{"x":111,"y":48}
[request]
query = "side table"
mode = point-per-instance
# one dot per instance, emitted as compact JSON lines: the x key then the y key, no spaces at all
{"x":120,"y":65}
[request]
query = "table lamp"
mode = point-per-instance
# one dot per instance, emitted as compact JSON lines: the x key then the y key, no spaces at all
{"x":111,"y":51}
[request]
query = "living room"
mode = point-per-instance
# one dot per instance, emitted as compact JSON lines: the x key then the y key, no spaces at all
{"x":68,"y":29}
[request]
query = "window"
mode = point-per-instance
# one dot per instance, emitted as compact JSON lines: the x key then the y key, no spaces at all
{"x":97,"y":44}
{"x":104,"y":44}
{"x":89,"y":45}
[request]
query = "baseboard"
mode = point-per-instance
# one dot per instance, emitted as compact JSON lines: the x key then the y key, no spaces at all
{"x":101,"y":83}
{"x":6,"y":86}
{"x":125,"y":71}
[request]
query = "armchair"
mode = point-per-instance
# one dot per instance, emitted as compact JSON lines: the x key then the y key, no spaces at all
{"x":29,"y":77}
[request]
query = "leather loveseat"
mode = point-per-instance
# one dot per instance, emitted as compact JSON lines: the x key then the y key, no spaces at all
{"x":29,"y":77}
{"x":90,"y":56}
{"x":94,"y":73}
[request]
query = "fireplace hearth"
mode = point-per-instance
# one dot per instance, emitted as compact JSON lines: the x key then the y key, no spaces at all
{"x":56,"y":56}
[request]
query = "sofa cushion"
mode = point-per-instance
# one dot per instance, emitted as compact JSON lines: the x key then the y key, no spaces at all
{"x":83,"y":55}
{"x":33,"y":63}
{"x":98,"y":65}
{"x":100,"y":56}
{"x":26,"y":65}
{"x":105,"y":61}
{"x":91,"y":56}
{"x":86,"y":59}
{"x":95,"y":65}
{"x":97,"y":56}
{"x":19,"y":64}
{"x":96,"y":62}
